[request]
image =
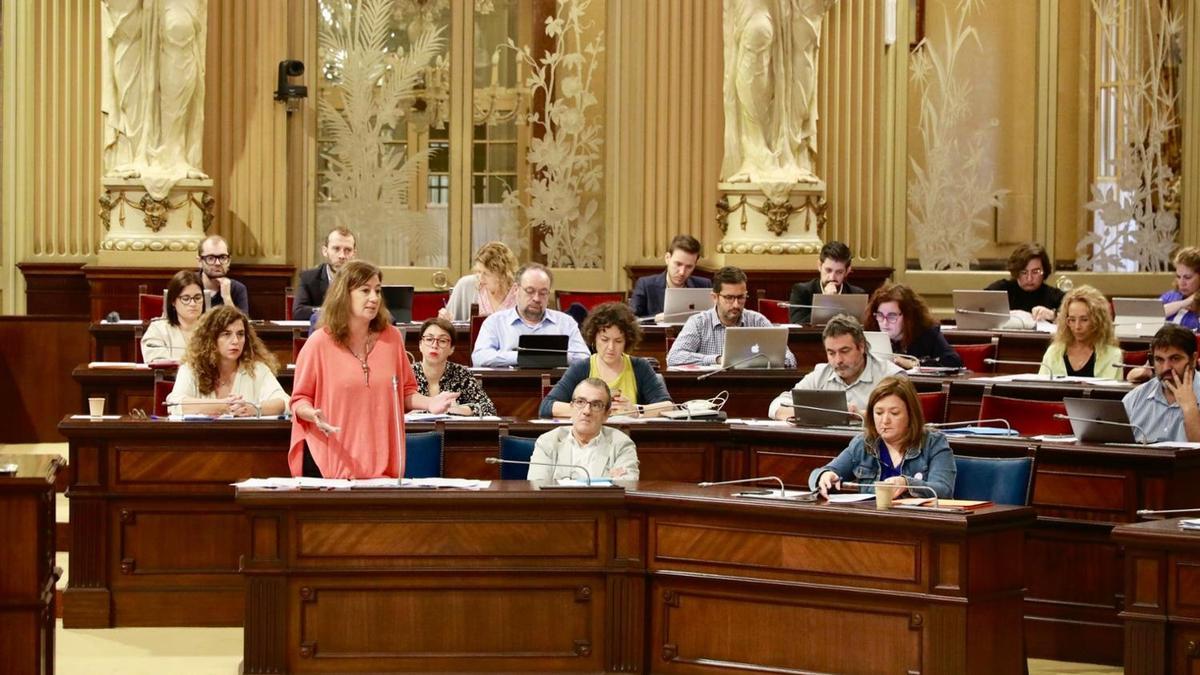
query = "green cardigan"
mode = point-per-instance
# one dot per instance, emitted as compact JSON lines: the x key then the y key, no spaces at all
{"x":1107,"y":358}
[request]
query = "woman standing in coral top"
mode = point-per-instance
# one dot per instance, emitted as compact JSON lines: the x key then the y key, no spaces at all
{"x":345,"y":398}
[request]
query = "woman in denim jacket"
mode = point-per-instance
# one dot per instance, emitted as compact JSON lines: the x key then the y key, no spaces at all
{"x":894,"y":448}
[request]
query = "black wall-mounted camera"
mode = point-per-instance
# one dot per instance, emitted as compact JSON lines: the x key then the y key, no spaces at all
{"x":287,"y":92}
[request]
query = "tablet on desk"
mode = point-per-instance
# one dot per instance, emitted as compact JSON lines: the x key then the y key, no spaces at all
{"x":980,"y":310}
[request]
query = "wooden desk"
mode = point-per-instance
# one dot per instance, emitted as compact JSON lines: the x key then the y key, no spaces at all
{"x":1162,"y":601}
{"x":662,"y":578}
{"x":27,"y":614}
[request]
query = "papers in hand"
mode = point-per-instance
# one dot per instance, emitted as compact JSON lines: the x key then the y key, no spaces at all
{"x":301,"y":482}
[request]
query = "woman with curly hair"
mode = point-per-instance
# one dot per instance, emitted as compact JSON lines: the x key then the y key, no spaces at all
{"x":1085,"y":344}
{"x":227,"y":370}
{"x":916,"y":338}
{"x":610,"y":329}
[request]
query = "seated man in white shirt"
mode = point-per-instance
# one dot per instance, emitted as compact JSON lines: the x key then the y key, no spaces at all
{"x":850,"y":367}
{"x":496,"y":345}
{"x":603,"y":451}
{"x":1165,"y":408}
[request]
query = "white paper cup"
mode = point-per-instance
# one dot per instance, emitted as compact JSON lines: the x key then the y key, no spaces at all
{"x":96,"y":406}
{"x":884,"y":492}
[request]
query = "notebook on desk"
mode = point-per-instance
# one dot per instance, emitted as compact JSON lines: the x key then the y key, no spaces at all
{"x":681,"y":303}
{"x":820,"y":408}
{"x":825,"y":307}
{"x":1137,"y":317}
{"x":1095,"y":420}
{"x":755,"y":347}
{"x":542,"y":351}
{"x":399,"y":301}
{"x":980,"y":310}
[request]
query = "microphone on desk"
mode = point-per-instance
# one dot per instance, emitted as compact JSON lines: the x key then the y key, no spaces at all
{"x":893,"y":486}
{"x":969,"y":423}
{"x":860,"y":416}
{"x":497,"y":460}
{"x":1156,"y":513}
{"x":1006,"y":362}
{"x":740,"y":481}
{"x":735,"y":364}
{"x":1128,"y":425}
{"x":672,"y":315}
{"x":112,"y":317}
{"x":401,"y":455}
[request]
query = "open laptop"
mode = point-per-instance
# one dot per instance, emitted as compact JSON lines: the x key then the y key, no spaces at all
{"x":1137,"y":317}
{"x":879,"y":344}
{"x":980,"y":310}
{"x":681,"y":303}
{"x":1095,"y":420}
{"x":399,"y":301}
{"x":805,"y":409}
{"x":542,"y":351}
{"x":825,"y":307}
{"x":761,"y":347}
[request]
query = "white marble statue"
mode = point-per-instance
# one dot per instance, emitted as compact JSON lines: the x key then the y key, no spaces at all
{"x":770,"y":91}
{"x":153,"y":90}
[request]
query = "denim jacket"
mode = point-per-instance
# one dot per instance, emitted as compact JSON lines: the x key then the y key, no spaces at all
{"x":931,"y":464}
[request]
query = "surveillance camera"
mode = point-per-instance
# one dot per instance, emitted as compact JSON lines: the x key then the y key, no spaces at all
{"x":286,"y":91}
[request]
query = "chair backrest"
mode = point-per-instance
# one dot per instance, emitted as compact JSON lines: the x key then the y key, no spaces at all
{"x":423,"y":455}
{"x":427,"y":303}
{"x":546,"y":386}
{"x":289,"y":296}
{"x":298,"y":340}
{"x":1001,"y":480}
{"x":476,"y":322}
{"x":973,"y":355}
{"x":1133,"y":359}
{"x":516,"y":448}
{"x":776,"y":311}
{"x":933,"y":406}
{"x":151,"y":305}
{"x":162,"y":388}
{"x":138,"y":332}
{"x":669,"y":334}
{"x":589,"y":299}
{"x":1029,"y":418}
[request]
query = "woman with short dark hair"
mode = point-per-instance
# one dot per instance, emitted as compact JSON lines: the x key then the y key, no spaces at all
{"x":435,"y":373}
{"x":166,"y":338}
{"x":1029,"y":267}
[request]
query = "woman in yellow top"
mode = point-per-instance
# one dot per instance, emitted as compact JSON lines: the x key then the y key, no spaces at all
{"x":611,"y":329}
{"x":1085,"y":344}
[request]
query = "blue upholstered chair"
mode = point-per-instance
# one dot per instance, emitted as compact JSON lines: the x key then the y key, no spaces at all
{"x":517,"y":448}
{"x":1007,"y":480}
{"x":423,"y":455}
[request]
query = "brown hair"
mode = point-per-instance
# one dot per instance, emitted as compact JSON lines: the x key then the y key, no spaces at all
{"x":343,"y":231}
{"x":727,"y":275}
{"x":1098,"y":312}
{"x":914,"y":436}
{"x":499,"y":260}
{"x":440,"y":323}
{"x":1188,"y":256}
{"x":917,"y":318}
{"x":1174,"y":335}
{"x":686,"y":243}
{"x":612,"y":314}
{"x":202,"y":354}
{"x":844,"y":324}
{"x":335,"y":312}
{"x":180,"y":281}
{"x":1021,"y":256}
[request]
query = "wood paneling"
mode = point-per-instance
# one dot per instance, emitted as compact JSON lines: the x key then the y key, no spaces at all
{"x":36,"y":387}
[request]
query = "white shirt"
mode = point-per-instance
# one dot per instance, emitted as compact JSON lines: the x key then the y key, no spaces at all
{"x":257,"y":388}
{"x":825,"y":378}
{"x":610,"y":449}
{"x":163,"y":342}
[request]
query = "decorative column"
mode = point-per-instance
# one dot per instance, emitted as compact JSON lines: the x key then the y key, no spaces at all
{"x":770,"y":219}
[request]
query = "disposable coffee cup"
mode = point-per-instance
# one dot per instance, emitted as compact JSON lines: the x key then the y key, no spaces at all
{"x":884,"y":493}
{"x":96,"y":406}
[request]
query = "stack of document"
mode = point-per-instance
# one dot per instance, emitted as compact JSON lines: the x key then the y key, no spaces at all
{"x":1190,"y":524}
{"x":300,"y":482}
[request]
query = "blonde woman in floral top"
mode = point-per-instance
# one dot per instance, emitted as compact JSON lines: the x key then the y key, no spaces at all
{"x":436,"y":373}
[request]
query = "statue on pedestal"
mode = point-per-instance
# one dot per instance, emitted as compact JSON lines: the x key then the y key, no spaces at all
{"x":770,"y":89}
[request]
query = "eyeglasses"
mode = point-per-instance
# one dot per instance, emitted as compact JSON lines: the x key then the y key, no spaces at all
{"x":536,"y":293}
{"x":436,"y":341}
{"x":1033,"y":274}
{"x":734,"y":298}
{"x":890,"y":317}
{"x":215,"y":259}
{"x":579,"y":403}
{"x":191,"y":299}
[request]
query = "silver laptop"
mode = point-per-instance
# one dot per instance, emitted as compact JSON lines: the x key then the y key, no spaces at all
{"x":825,"y":307}
{"x":879,"y":344}
{"x":980,"y":310}
{"x":681,"y":303}
{"x":1095,"y":420}
{"x":815,"y":408}
{"x":763,"y":347}
{"x":1137,"y":317}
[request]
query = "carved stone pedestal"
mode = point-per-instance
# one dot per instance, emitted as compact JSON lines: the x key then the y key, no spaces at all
{"x":761,"y":220}
{"x":142,"y":231}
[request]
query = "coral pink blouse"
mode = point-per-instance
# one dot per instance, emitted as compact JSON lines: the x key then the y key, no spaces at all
{"x":330,"y":378}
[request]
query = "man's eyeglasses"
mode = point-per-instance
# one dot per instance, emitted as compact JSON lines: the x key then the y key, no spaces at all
{"x":734,"y":298}
{"x":191,"y":299}
{"x":1034,"y":273}
{"x":579,"y":403}
{"x":536,"y":293}
{"x":436,"y":341}
{"x":215,"y":259}
{"x":890,"y":317}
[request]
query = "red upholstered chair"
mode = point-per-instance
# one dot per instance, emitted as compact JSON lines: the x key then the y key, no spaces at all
{"x":162,"y":388}
{"x":776,"y":311}
{"x":973,"y":355}
{"x":546,"y":386}
{"x":589,"y":299}
{"x":1133,"y":359}
{"x":138,"y":331}
{"x":427,"y":303}
{"x":289,"y":296}
{"x":933,"y":406}
{"x":150,"y":305}
{"x":1029,"y":418}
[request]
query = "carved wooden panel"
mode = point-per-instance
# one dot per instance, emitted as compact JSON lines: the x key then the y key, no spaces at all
{"x":1144,"y":588}
{"x":265,"y":644}
{"x":166,"y":541}
{"x":1087,"y":489}
{"x":624,"y":629}
{"x":156,"y":464}
{"x":1186,"y":586}
{"x":449,"y":538}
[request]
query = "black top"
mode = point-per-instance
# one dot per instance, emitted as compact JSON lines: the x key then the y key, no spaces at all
{"x":241,"y":299}
{"x":649,"y":293}
{"x":1018,"y":298}
{"x":931,"y":347}
{"x":1088,"y":369}
{"x":802,"y":294}
{"x":310,"y":293}
{"x":457,"y":378}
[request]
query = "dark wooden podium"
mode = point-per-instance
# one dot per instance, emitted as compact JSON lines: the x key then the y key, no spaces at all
{"x":664,"y":577}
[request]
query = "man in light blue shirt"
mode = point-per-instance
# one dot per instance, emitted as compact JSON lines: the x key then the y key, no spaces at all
{"x":1165,"y":408}
{"x":701,"y":341}
{"x":496,"y":345}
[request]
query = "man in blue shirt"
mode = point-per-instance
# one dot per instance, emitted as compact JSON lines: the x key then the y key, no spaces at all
{"x":649,"y":292}
{"x":1165,"y":408}
{"x":498,"y":336}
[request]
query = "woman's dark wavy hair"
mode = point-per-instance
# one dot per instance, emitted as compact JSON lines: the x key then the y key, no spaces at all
{"x":202,"y":355}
